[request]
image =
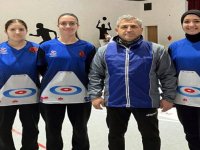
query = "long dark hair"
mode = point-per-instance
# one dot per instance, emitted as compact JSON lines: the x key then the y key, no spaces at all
{"x":73,"y":15}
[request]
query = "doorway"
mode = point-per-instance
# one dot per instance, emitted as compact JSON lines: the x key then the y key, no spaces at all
{"x":152,"y":33}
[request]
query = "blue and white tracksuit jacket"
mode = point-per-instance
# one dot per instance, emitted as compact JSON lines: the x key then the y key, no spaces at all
{"x":132,"y":76}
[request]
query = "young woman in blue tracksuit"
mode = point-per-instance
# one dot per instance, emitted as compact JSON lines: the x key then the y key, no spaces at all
{"x":65,"y":63}
{"x":19,"y":82}
{"x":186,"y":56}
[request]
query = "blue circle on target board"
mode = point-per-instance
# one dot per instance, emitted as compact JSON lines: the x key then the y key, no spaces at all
{"x":189,"y":91}
{"x":77,"y":90}
{"x":9,"y":94}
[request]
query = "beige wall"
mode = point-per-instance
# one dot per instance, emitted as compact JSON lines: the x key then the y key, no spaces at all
{"x":90,"y":11}
{"x":166,"y":15}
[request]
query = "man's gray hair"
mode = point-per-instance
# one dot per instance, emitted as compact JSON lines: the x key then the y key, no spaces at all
{"x":128,"y":17}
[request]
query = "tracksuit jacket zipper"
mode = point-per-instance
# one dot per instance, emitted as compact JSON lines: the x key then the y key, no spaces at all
{"x":127,"y":77}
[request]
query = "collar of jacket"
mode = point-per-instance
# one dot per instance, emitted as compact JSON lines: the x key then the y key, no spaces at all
{"x":130,"y":44}
{"x":193,"y":38}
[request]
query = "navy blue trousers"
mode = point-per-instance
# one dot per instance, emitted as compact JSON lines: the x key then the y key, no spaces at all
{"x":29,"y":117}
{"x":54,"y":114}
{"x":117,"y":122}
{"x":190,"y":119}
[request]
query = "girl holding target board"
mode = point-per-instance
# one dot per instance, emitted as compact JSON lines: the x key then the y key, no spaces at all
{"x":65,"y":62}
{"x":19,"y":82}
{"x":186,"y":56}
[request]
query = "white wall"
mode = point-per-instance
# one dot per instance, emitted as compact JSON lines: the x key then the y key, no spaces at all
{"x":90,"y":11}
{"x":166,"y":15}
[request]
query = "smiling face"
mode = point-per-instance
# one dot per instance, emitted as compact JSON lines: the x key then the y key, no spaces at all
{"x":129,"y":30}
{"x":16,"y":31}
{"x":68,"y":25}
{"x":191,"y":24}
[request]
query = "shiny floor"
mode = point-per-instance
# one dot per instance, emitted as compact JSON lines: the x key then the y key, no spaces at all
{"x":171,"y":132}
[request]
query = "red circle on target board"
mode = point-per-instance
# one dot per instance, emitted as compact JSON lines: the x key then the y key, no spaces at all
{"x":20,"y":92}
{"x":189,"y":90}
{"x":66,"y":89}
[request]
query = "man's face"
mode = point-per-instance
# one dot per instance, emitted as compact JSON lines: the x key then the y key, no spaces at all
{"x":129,"y":30}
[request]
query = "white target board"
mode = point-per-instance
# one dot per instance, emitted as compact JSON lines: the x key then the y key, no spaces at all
{"x":64,"y":88}
{"x":188,"y":91}
{"x":18,"y":90}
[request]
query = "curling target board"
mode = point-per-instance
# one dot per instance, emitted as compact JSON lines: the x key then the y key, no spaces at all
{"x":188,"y":90}
{"x":18,"y":90}
{"x":64,"y":88}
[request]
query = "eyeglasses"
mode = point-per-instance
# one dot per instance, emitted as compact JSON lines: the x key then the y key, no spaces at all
{"x":71,"y":24}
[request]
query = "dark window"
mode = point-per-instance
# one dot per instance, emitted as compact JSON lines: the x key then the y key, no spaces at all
{"x":147,"y":6}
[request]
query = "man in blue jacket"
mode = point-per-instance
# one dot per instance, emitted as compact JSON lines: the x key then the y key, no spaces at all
{"x":132,"y":70}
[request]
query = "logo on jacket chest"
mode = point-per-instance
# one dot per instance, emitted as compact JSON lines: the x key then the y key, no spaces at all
{"x":33,"y":49}
{"x":53,"y":53}
{"x":3,"y":51}
{"x":81,"y":53}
